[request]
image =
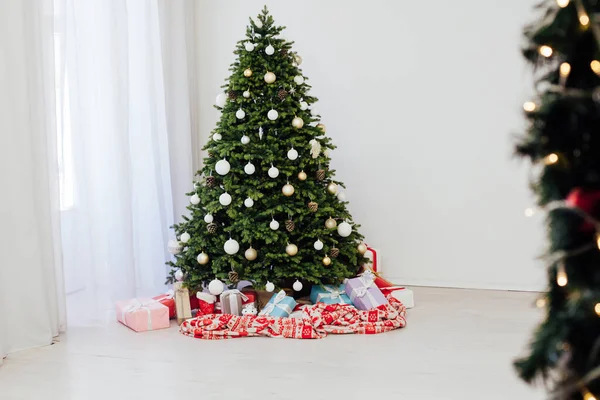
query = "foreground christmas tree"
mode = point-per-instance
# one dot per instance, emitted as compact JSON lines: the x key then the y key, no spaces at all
{"x":563,"y":142}
{"x":267,"y":207}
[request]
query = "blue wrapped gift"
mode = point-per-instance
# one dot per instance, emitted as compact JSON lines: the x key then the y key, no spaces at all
{"x":329,"y":294}
{"x":280,"y":305}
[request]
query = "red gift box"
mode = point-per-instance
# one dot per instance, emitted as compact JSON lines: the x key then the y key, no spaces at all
{"x":168,"y":300}
{"x":206,"y":303}
{"x":373,"y":256}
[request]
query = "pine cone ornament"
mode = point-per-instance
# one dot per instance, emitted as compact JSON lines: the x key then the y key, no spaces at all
{"x":283,"y":52}
{"x":210,"y":155}
{"x":212,"y":228}
{"x":282,"y":94}
{"x":313,"y":207}
{"x":334,"y":252}
{"x":290,"y":225}
{"x":320,"y":174}
{"x":232,"y":94}
{"x":211,"y":181}
{"x":234,"y":277}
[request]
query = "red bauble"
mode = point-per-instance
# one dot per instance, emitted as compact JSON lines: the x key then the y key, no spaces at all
{"x":587,"y":201}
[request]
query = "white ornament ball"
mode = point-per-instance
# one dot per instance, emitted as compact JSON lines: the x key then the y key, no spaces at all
{"x":273,"y":115}
{"x":179,"y":275}
{"x":269,"y":287}
{"x":273,"y":172}
{"x":225,"y":199}
{"x":299,"y":79}
{"x":249,"y":168}
{"x":270,"y":77}
{"x":248,"y":202}
{"x":174,"y":247}
{"x":297,"y":122}
{"x":297,"y":286}
{"x":287,"y":190}
{"x":240,"y":114}
{"x":298,"y":59}
{"x":202,"y":258}
{"x":221,"y":99}
{"x":208,"y":218}
{"x":318,"y":245}
{"x":231,"y":246}
{"x":195,"y":199}
{"x":245,"y":139}
{"x":341,"y":196}
{"x":344,"y":229}
{"x":185,"y":237}
{"x":216,"y":287}
{"x":249,"y":46}
{"x":292,"y":154}
{"x":217,"y":136}
{"x":246,"y":94}
{"x":314,"y":112}
{"x":258,"y":23}
{"x":274,"y":225}
{"x":303,"y":105}
{"x":270,"y":50}
{"x":222,"y":167}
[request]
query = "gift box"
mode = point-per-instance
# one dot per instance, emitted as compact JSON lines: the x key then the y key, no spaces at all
{"x":205,"y":303}
{"x":374,"y":259}
{"x":231,"y":302}
{"x":143,"y":314}
{"x":280,"y":305}
{"x":329,"y":294}
{"x":402,"y":294}
{"x":168,"y":300}
{"x":183,"y":308}
{"x":363,"y":292}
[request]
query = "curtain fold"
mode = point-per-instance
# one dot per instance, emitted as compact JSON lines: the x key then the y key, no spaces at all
{"x":124,"y":118}
{"x":32,"y":301}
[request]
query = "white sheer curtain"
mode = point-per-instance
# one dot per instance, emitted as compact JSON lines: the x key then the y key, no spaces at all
{"x":124,"y":142}
{"x":32,"y":308}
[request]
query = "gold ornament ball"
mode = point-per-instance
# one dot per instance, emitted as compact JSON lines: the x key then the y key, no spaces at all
{"x":326,"y":260}
{"x":302,"y":175}
{"x":203,"y":258}
{"x":332,"y":188}
{"x":322,"y":128}
{"x":330,"y":223}
{"x":270,"y":77}
{"x":291,"y":249}
{"x":362,"y":248}
{"x":298,"y":59}
{"x":251,"y":254}
{"x":297,"y":122}
{"x":287,"y":190}
{"x":247,"y":72}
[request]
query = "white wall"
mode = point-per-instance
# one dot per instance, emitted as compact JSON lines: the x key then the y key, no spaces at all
{"x":422,"y":99}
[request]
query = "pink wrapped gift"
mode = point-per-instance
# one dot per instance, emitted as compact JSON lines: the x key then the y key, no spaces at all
{"x":143,"y":314}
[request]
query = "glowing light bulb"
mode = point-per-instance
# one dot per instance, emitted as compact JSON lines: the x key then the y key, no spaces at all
{"x":540,"y":303}
{"x":565,"y":68}
{"x":588,"y":396}
{"x":598,"y":240}
{"x":550,"y":159}
{"x":595,"y":65}
{"x":597,"y":308}
{"x":584,"y":19}
{"x":546,"y":51}
{"x":562,"y":3}
{"x":561,"y":276}
{"x":529,"y":212}
{"x":529,"y":106}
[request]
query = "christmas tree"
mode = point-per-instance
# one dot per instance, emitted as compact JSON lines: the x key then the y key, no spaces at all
{"x":563,"y":143}
{"x":267,"y":208}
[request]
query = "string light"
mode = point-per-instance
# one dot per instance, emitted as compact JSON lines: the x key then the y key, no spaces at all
{"x":529,"y":212}
{"x":595,"y":64}
{"x":587,"y":395}
{"x":550,"y":159}
{"x":529,"y":106}
{"x":546,"y":51}
{"x":562,"y":3}
{"x":597,"y":308}
{"x":584,"y":19}
{"x":565,"y":70}
{"x":561,"y":276}
{"x":540,"y":303}
{"x":598,"y":240}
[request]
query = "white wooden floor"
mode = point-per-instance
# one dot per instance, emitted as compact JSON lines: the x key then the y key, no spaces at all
{"x":458,"y":344}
